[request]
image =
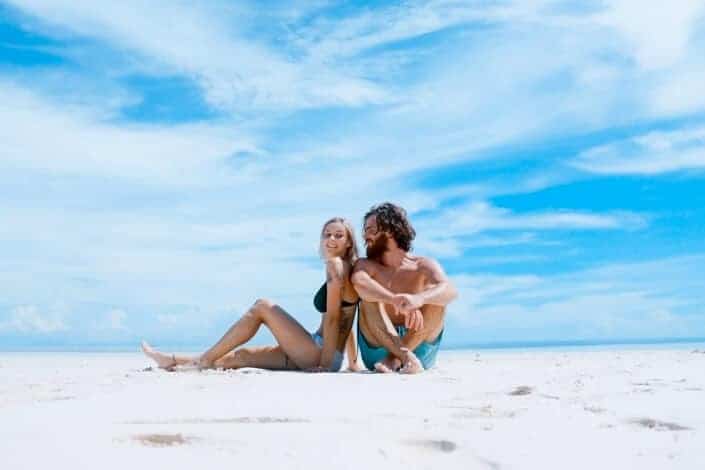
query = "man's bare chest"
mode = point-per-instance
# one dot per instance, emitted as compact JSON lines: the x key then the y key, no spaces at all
{"x":406,"y":281}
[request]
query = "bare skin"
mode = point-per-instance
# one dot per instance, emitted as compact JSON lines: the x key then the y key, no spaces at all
{"x":352,"y":353}
{"x":295,"y":348}
{"x":400,"y":289}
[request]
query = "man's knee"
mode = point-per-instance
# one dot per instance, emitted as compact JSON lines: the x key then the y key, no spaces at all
{"x":433,"y":314}
{"x":433,"y":317}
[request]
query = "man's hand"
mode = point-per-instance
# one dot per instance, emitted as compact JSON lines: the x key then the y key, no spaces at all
{"x":408,"y":306}
{"x":413,"y":320}
{"x":407,"y":303}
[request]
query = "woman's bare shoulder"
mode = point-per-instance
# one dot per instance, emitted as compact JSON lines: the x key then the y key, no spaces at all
{"x":336,"y":270}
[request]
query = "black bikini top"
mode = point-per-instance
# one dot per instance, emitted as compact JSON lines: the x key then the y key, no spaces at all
{"x":321,"y":298}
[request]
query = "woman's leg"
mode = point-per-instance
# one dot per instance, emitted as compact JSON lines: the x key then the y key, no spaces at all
{"x":263,"y":357}
{"x":295,"y":344}
{"x":293,"y":338}
{"x":167,"y":361}
{"x":351,"y":351}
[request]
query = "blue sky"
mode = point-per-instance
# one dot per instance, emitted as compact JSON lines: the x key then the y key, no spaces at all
{"x":165,"y":164}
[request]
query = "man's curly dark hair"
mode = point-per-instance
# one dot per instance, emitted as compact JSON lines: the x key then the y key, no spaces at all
{"x":393,"y":219}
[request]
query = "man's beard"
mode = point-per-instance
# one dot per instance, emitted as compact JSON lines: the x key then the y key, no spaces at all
{"x":376,"y":249}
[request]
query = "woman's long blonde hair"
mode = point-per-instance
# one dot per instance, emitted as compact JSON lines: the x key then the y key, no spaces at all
{"x":351,"y":253}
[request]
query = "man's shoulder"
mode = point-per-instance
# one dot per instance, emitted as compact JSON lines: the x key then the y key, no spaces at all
{"x":363,"y":263}
{"x":427,"y":264}
{"x":425,"y":261}
{"x":367,"y":265}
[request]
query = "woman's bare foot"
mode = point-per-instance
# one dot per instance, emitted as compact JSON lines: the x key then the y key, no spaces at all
{"x":164,"y":361}
{"x":388,"y":365}
{"x":354,"y":367}
{"x":202,"y":363}
{"x":412,"y":365}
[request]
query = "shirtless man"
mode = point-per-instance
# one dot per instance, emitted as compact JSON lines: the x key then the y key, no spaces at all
{"x":403,"y":297}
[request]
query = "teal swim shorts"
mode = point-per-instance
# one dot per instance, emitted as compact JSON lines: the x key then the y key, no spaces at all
{"x":426,"y":352}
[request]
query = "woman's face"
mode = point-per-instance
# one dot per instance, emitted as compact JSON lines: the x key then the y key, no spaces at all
{"x":334,"y":241}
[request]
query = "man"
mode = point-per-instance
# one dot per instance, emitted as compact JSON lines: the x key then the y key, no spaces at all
{"x":403,"y":297}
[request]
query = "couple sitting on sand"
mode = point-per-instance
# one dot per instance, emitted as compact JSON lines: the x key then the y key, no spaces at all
{"x":402,"y":301}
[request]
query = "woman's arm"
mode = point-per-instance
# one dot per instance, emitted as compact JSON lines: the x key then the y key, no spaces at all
{"x":335,"y":281}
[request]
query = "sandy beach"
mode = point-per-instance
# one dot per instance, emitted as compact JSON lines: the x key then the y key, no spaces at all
{"x":487,"y":410}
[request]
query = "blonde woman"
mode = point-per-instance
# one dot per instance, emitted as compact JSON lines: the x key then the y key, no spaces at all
{"x":296,"y":348}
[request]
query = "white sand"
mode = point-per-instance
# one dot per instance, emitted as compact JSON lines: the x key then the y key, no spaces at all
{"x":573,"y":410}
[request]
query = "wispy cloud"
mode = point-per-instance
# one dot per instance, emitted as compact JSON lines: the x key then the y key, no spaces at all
{"x":38,"y":134}
{"x":639,"y":300}
{"x":658,"y":37}
{"x":329,"y":39}
{"x":449,"y":232}
{"x":318,"y":111}
{"x":481,"y":216}
{"x":648,"y":154}
{"x":114,"y":320}
{"x":29,"y":319}
{"x":234,"y":70}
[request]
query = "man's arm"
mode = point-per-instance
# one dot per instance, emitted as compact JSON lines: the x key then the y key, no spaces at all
{"x":439,"y":290}
{"x":365,"y":285}
{"x":372,"y":291}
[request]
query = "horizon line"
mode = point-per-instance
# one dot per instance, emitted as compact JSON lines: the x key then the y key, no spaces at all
{"x":517,"y":344}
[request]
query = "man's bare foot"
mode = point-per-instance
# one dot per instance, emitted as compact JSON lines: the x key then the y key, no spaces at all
{"x":388,"y":365}
{"x":164,"y":361}
{"x":412,"y":365}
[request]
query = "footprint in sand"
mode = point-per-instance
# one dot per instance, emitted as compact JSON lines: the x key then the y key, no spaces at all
{"x":62,"y":398}
{"x":237,"y":420}
{"x":162,"y":440}
{"x":492,"y":465}
{"x":521,"y":390}
{"x":440,"y":445}
{"x":659,"y":425}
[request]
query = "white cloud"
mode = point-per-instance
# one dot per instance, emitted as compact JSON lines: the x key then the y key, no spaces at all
{"x":38,"y":134}
{"x":479,"y":216}
{"x":680,"y":90}
{"x":648,"y":154}
{"x":329,"y":39}
{"x":170,"y":320}
{"x":658,"y":36}
{"x":655,"y":299}
{"x":114,"y":320}
{"x":28,"y":319}
{"x":448,"y":232}
{"x":217,"y":231}
{"x":665,"y":45}
{"x":207,"y":43}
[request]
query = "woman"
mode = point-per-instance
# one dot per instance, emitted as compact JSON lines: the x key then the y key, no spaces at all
{"x":296,"y":348}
